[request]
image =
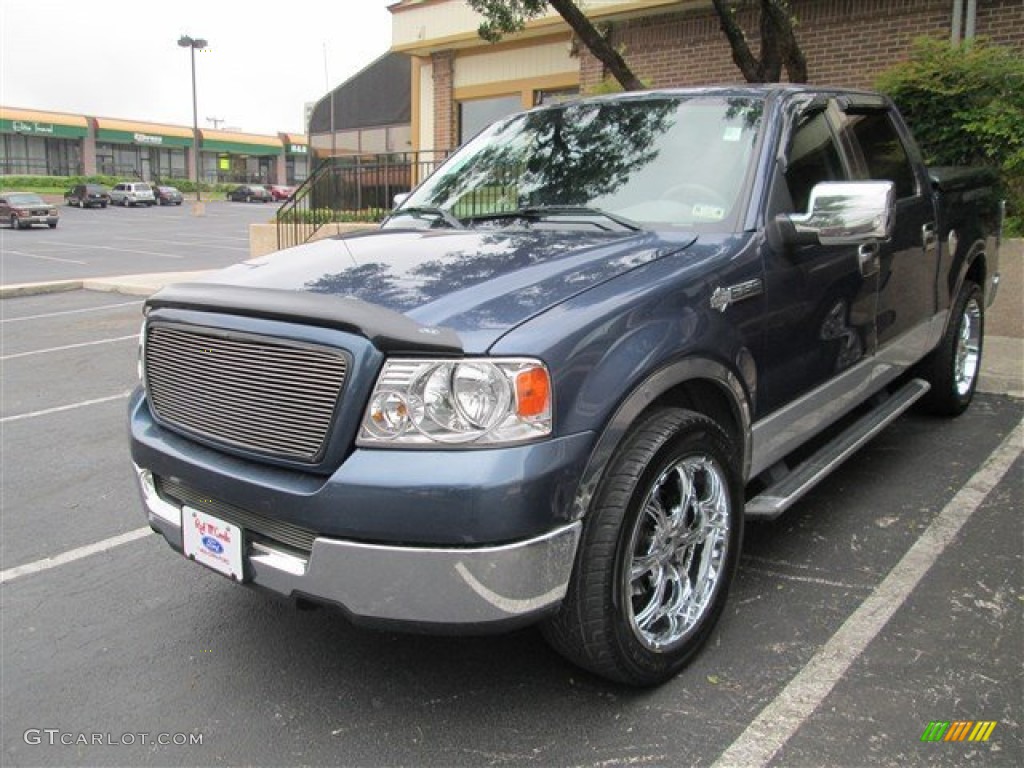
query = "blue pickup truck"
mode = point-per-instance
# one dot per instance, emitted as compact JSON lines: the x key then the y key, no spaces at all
{"x":558,"y":379}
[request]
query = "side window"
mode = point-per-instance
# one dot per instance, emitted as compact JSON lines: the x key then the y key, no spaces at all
{"x":813,"y":157}
{"x":882,"y":150}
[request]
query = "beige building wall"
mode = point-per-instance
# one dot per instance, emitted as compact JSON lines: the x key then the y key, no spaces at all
{"x":486,"y":66}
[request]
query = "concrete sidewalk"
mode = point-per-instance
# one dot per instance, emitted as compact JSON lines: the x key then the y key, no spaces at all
{"x":1002,"y":370}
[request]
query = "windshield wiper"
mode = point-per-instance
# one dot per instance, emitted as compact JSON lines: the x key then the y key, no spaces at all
{"x":541,"y":211}
{"x":429,"y":210}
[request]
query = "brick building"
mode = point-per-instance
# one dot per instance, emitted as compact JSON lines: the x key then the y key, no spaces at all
{"x":459,"y":82}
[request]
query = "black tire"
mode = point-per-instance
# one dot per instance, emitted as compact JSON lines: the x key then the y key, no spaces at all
{"x":103,"y":205}
{"x":15,"y":224}
{"x":601,"y":625}
{"x":954,"y":366}
{"x":51,"y":224}
{"x":81,"y":204}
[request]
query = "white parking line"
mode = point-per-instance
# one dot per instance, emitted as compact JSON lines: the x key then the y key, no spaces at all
{"x":778,"y":721}
{"x":204,"y":242}
{"x":44,"y":258}
{"x":62,"y":408}
{"x":88,"y":247}
{"x":71,"y":312}
{"x":68,"y":346}
{"x":72,"y":554}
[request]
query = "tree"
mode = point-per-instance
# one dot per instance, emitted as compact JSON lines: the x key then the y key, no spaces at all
{"x":779,"y":47}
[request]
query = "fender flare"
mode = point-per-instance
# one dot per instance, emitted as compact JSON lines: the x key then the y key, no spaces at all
{"x":665,"y":379}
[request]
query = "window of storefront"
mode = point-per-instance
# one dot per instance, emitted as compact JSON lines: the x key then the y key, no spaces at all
{"x":477,"y":114}
{"x":37,"y":155}
{"x":554,"y":97}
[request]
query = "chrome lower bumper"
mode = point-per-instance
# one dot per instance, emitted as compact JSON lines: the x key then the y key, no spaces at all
{"x":468,"y":587}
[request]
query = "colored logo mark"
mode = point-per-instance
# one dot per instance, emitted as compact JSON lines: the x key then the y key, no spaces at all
{"x":213,"y":545}
{"x":958,"y":730}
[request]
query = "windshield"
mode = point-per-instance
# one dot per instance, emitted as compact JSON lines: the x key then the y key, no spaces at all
{"x":678,"y":161}
{"x":25,"y":198}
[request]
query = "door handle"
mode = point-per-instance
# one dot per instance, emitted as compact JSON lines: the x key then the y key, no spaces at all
{"x":867,"y":259}
{"x":928,"y":237}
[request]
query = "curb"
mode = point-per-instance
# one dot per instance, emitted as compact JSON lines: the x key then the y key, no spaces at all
{"x":37,"y":289}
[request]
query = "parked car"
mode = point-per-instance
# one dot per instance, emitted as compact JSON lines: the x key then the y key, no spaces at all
{"x":279,"y":191}
{"x":248,"y":193}
{"x":560,"y":401}
{"x":167,"y":195}
{"x":129,"y":193}
{"x":23,"y":209}
{"x":88,"y":196}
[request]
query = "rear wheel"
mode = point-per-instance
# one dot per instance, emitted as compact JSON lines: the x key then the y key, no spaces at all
{"x":954,"y":366}
{"x":658,"y":551}
{"x":51,"y":224}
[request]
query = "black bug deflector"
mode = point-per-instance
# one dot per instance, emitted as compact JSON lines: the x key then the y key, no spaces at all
{"x":387,"y":330}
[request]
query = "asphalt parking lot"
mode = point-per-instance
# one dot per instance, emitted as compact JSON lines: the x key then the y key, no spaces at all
{"x":890,"y":597}
{"x":100,"y":242}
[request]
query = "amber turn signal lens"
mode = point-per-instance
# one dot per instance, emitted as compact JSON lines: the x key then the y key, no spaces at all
{"x":533,"y":393}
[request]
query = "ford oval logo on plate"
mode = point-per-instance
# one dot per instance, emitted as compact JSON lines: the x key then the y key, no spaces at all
{"x":213,"y":545}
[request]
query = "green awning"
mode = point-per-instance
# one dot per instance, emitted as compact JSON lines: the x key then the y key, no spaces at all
{"x":142,"y":139}
{"x":239,"y":148}
{"x":40,"y":128}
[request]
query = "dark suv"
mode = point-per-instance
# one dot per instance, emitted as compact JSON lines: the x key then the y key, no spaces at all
{"x":88,"y":196}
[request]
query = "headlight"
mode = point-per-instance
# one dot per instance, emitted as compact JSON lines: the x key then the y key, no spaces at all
{"x":480,"y":401}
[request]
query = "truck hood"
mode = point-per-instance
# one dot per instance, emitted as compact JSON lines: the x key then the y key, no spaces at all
{"x":477,"y":283}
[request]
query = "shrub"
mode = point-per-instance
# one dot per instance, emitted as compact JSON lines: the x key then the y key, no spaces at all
{"x":321,"y":216}
{"x":965,"y":104}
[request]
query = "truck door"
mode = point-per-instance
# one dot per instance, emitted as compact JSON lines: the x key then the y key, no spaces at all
{"x":821,"y":299}
{"x":908,"y":263}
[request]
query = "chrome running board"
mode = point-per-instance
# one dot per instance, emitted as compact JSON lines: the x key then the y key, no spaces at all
{"x":775,"y":500}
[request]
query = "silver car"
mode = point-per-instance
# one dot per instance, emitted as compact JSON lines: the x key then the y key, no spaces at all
{"x":132,"y":193}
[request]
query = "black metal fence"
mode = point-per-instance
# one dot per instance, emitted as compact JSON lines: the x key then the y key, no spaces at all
{"x":350,"y":189}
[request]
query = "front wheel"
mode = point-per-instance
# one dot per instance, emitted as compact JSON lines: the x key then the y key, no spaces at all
{"x":15,"y":223}
{"x":954,"y":366}
{"x":659,"y":549}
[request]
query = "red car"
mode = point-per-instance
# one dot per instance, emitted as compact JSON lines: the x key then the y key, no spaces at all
{"x":279,"y":191}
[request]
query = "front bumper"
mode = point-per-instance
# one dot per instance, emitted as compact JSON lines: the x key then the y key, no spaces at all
{"x":453,"y":588}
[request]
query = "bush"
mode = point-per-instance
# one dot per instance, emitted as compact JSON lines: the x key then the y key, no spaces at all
{"x":321,"y":216}
{"x":965,"y":104}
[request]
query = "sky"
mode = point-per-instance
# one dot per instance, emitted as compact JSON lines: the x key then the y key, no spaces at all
{"x":121,"y":59}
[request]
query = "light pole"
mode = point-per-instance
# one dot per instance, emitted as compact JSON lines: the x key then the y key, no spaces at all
{"x":194,"y":42}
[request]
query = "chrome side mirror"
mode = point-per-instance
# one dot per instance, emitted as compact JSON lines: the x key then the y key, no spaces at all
{"x":839,"y":213}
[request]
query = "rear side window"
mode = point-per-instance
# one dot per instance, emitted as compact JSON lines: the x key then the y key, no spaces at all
{"x":884,"y":155}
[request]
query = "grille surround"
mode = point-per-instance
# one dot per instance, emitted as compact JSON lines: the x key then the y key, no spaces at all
{"x":256,"y":395}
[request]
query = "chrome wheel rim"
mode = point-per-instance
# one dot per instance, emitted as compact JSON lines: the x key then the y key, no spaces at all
{"x":968,"y":348}
{"x":677,"y":552}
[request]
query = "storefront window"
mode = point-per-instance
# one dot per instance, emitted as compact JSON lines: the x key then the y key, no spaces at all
{"x":477,"y":114}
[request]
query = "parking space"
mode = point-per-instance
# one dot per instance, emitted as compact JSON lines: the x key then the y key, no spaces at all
{"x":99,"y":242}
{"x":131,"y":639}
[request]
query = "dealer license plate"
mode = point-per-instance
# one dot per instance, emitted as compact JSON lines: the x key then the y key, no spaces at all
{"x":213,"y":542}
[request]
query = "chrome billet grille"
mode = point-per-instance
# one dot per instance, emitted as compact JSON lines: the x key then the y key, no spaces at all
{"x":260,"y":395}
{"x":262,"y":528}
